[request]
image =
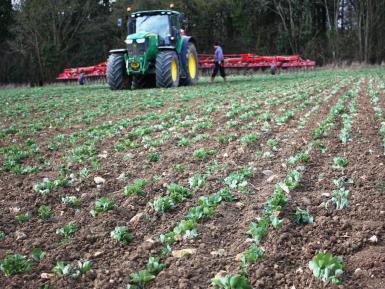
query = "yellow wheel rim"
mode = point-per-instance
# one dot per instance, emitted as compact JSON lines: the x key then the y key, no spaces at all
{"x":174,"y":70}
{"x":192,"y":65}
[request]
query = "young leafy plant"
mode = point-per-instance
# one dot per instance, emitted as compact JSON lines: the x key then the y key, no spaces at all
{"x":2,"y":236}
{"x":102,"y":205}
{"x":140,"y":279}
{"x":258,"y":231}
{"x":38,"y":254}
{"x":340,"y":198}
{"x":327,"y":267}
{"x":248,"y":139}
{"x":236,"y":281}
{"x":340,"y":163}
{"x":45,"y":212}
{"x":302,"y":217}
{"x":15,"y":264}
{"x":68,"y":231}
{"x":122,"y":235}
{"x":163,"y":204}
{"x":154,"y":266}
{"x":66,"y":270}
{"x":251,"y":255}
{"x":23,"y":218}
{"x":71,"y":200}
{"x":137,"y":188}
{"x":153,"y":157}
{"x":61,"y":269}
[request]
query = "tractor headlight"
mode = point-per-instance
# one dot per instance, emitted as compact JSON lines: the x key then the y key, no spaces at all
{"x":140,"y":40}
{"x":129,"y":41}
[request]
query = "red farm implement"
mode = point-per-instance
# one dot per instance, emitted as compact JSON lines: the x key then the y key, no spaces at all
{"x":235,"y":62}
{"x":249,"y":61}
{"x":91,"y":72}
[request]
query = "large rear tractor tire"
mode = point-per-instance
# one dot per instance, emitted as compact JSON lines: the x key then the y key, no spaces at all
{"x":167,"y":69}
{"x":117,"y":77}
{"x":191,"y":65}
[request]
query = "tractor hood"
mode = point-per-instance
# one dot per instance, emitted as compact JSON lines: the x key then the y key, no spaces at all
{"x":140,"y":35}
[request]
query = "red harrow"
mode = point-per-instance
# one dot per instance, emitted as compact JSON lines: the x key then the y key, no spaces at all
{"x":92,"y":72}
{"x":206,"y":62}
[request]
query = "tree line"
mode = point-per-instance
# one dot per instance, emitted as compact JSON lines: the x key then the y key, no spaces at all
{"x":38,"y":38}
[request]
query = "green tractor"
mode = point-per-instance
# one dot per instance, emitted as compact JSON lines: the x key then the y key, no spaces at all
{"x":157,"y":53}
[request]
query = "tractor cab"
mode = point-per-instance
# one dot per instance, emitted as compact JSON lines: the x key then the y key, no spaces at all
{"x":165,"y":24}
{"x":157,"y":53}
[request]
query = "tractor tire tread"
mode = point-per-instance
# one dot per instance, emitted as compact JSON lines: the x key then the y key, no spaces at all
{"x":117,"y":77}
{"x":163,"y":69}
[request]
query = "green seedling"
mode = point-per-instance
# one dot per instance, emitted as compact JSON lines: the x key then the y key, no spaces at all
{"x":321,"y":146}
{"x":66,"y":270}
{"x":179,"y":168}
{"x":137,"y":188}
{"x":15,"y":264}
{"x":258,"y":231}
{"x":154,"y":266}
{"x":45,"y":212}
{"x":327,"y":268}
{"x":272,"y":144}
{"x":122,"y":235}
{"x":298,"y":158}
{"x":71,"y":200}
{"x":163,"y":204}
{"x":238,"y":180}
{"x":341,"y":182}
{"x":178,"y":193}
{"x":2,"y":236}
{"x":140,"y":279}
{"x":302,"y":217}
{"x":68,"y":231}
{"x":153,"y":157}
{"x":340,"y":198}
{"x":200,"y":153}
{"x":248,"y":139}
{"x":251,"y":255}
{"x":340,"y":163}
{"x":196,"y":182}
{"x":61,"y":269}
{"x":102,"y":205}
{"x":236,"y":281}
{"x":38,"y":254}
{"x":23,"y":218}
{"x":184,"y":142}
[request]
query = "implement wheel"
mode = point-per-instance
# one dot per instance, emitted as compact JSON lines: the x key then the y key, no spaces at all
{"x":167,"y":69}
{"x":191,"y":65}
{"x":117,"y":77}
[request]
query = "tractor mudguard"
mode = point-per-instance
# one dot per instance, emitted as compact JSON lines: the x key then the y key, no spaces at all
{"x":118,"y":51}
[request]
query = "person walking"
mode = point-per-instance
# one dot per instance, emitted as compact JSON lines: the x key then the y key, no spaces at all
{"x":219,"y":63}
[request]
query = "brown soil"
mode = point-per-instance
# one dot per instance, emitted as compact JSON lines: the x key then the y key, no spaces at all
{"x":288,"y":250}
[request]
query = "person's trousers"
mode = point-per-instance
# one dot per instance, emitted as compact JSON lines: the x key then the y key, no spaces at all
{"x":220,"y":68}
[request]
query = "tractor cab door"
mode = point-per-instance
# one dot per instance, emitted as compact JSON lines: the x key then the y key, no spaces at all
{"x":175,"y":29}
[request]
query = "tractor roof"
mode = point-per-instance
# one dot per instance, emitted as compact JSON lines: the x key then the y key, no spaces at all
{"x":154,"y":12}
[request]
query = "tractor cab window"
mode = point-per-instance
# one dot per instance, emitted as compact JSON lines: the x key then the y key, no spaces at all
{"x":158,"y":24}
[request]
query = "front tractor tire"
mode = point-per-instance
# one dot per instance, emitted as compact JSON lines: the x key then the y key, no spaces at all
{"x":191,"y":65}
{"x":167,"y":69}
{"x":117,"y":77}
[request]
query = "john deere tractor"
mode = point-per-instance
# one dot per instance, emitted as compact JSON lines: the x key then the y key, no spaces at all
{"x":157,"y":53}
